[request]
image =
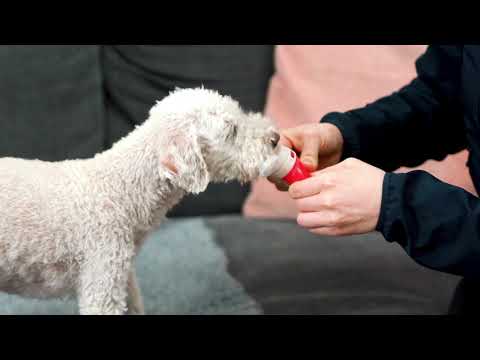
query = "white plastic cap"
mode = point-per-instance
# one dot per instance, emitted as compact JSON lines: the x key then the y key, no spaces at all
{"x":282,"y":165}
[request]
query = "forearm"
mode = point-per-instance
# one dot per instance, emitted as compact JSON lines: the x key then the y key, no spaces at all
{"x":437,"y":224}
{"x":421,"y":121}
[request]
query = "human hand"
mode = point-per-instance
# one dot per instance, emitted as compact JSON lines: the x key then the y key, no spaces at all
{"x":344,"y":199}
{"x":319,"y":145}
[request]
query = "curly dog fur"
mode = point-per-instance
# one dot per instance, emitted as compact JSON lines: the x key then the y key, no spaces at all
{"x":73,"y":228}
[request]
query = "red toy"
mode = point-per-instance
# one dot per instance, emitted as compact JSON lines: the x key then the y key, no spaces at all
{"x":288,"y":167}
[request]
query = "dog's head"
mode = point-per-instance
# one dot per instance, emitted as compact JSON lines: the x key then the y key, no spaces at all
{"x":209,"y":138}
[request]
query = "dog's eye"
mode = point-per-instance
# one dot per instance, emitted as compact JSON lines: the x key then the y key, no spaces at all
{"x":232,"y":134}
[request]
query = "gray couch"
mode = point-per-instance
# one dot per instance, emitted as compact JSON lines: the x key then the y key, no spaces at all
{"x":60,"y":102}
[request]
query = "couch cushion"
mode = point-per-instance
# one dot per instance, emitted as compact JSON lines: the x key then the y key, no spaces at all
{"x":136,"y":76}
{"x":287,"y":270}
{"x":51,"y":103}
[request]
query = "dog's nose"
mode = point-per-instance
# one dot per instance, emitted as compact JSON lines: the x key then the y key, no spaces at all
{"x":275,"y":139}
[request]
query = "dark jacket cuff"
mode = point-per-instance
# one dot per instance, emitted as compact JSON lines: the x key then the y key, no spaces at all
{"x":351,"y":143}
{"x":391,"y":203}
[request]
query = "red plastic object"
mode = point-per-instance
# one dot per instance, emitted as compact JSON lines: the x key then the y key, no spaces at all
{"x":297,"y":173}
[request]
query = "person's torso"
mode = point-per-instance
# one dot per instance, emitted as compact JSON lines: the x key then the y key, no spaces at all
{"x":470,"y":95}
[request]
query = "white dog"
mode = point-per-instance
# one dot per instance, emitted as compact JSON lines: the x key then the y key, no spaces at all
{"x":73,"y":228}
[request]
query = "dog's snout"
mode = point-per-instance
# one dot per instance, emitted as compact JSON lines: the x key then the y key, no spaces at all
{"x":274,"y":139}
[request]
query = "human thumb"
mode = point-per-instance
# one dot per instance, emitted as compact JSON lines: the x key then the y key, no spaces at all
{"x":309,"y":155}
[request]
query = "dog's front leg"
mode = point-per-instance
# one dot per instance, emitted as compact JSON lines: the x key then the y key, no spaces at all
{"x":134,"y":295}
{"x":102,"y":288}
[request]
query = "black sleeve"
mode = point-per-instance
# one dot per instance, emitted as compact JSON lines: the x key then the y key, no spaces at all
{"x":421,"y":121}
{"x":437,"y":224}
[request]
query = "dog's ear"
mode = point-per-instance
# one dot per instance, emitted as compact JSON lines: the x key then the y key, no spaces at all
{"x":185,"y":162}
